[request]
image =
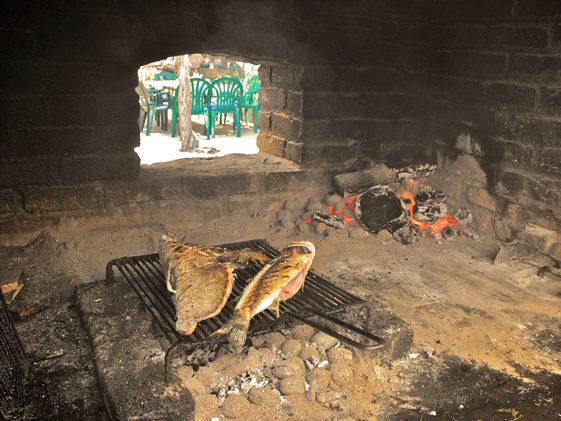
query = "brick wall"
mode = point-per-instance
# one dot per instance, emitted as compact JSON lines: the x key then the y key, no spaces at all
{"x":493,"y":92}
{"x":394,"y":81}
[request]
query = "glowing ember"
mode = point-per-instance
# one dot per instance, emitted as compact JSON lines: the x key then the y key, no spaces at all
{"x":420,"y":226}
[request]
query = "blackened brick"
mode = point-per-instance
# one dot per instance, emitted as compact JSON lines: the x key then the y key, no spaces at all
{"x":294,"y":102}
{"x":549,"y":160}
{"x":551,"y":100}
{"x":480,"y":64}
{"x":510,"y":93}
{"x":334,"y":152}
{"x":521,"y":154}
{"x":453,"y":88}
{"x":512,"y":182}
{"x":16,"y":43}
{"x":533,"y":37}
{"x":62,"y":198}
{"x":537,"y":66}
{"x":313,"y":129}
{"x":319,"y":106}
{"x":8,"y":199}
{"x":22,"y":113}
{"x":319,"y":78}
{"x":81,"y":169}
{"x":28,"y":171}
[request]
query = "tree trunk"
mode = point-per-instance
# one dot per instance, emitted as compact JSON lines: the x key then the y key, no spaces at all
{"x":189,"y":141}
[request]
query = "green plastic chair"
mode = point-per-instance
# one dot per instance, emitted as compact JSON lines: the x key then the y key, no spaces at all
{"x":164,"y":76}
{"x":226,"y":96}
{"x":249,"y":102}
{"x":154,"y":105}
{"x":200,"y":91}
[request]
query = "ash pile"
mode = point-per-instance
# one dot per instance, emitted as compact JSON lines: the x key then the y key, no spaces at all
{"x":298,"y":365}
{"x":396,"y":203}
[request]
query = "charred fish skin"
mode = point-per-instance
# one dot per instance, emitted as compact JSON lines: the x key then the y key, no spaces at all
{"x":200,"y":278}
{"x":277,"y":281}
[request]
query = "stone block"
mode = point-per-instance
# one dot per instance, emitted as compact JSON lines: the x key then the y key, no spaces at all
{"x":273,"y":99}
{"x":271,"y":144}
{"x":265,"y":74}
{"x":294,"y":102}
{"x":216,"y":185}
{"x":331,"y":152}
{"x":285,"y":181}
{"x":293,"y":151}
{"x":286,"y":126}
{"x":50,"y":140}
{"x":80,"y":169}
{"x":62,"y":198}
{"x":264,"y":120}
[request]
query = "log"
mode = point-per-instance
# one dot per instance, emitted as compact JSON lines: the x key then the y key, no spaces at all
{"x":378,"y":174}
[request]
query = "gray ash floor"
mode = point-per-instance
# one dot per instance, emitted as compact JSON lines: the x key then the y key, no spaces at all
{"x":486,"y":338}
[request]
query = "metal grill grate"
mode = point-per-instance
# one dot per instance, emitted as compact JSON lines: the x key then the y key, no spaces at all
{"x":145,"y":275}
{"x":12,"y":364}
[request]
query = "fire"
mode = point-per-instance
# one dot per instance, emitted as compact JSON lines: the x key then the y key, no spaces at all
{"x":420,"y":226}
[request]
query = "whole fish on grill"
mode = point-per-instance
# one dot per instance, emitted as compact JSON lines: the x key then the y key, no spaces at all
{"x":201,"y":278}
{"x":277,"y":281}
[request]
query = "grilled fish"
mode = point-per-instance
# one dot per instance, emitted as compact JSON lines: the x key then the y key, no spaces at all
{"x":277,"y":281}
{"x":201,"y":278}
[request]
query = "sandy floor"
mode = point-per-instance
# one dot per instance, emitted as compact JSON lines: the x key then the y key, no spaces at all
{"x":161,"y":147}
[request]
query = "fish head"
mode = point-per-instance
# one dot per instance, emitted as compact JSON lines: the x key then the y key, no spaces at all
{"x":300,"y":247}
{"x":185,"y":327}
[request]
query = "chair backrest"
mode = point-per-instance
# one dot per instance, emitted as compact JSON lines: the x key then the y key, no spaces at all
{"x":250,"y":92}
{"x":164,"y":76}
{"x":200,"y":92}
{"x":143,"y":95}
{"x":226,"y":93}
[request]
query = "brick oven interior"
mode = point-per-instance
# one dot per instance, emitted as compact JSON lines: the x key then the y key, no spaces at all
{"x":471,"y":324}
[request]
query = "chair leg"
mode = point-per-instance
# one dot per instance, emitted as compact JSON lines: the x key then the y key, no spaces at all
{"x":173,"y":122}
{"x":149,"y":120}
{"x":237,"y":123}
{"x":142,"y":120}
{"x":255,"y":115}
{"x":211,"y":125}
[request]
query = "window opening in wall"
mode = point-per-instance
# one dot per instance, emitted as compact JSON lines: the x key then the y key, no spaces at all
{"x":216,"y":116}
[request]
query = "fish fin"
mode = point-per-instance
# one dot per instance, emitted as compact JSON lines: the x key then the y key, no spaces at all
{"x":275,"y":307}
{"x":168,"y":282}
{"x":236,"y":329}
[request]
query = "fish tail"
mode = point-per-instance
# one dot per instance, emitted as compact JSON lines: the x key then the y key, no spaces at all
{"x":236,"y":328}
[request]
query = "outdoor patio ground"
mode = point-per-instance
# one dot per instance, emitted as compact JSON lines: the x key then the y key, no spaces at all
{"x":161,"y":147}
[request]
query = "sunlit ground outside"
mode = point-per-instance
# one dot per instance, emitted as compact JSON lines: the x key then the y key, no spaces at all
{"x":161,"y":147}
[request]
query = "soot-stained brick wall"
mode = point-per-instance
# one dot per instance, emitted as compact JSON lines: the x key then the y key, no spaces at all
{"x":493,"y":92}
{"x":399,"y":81}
